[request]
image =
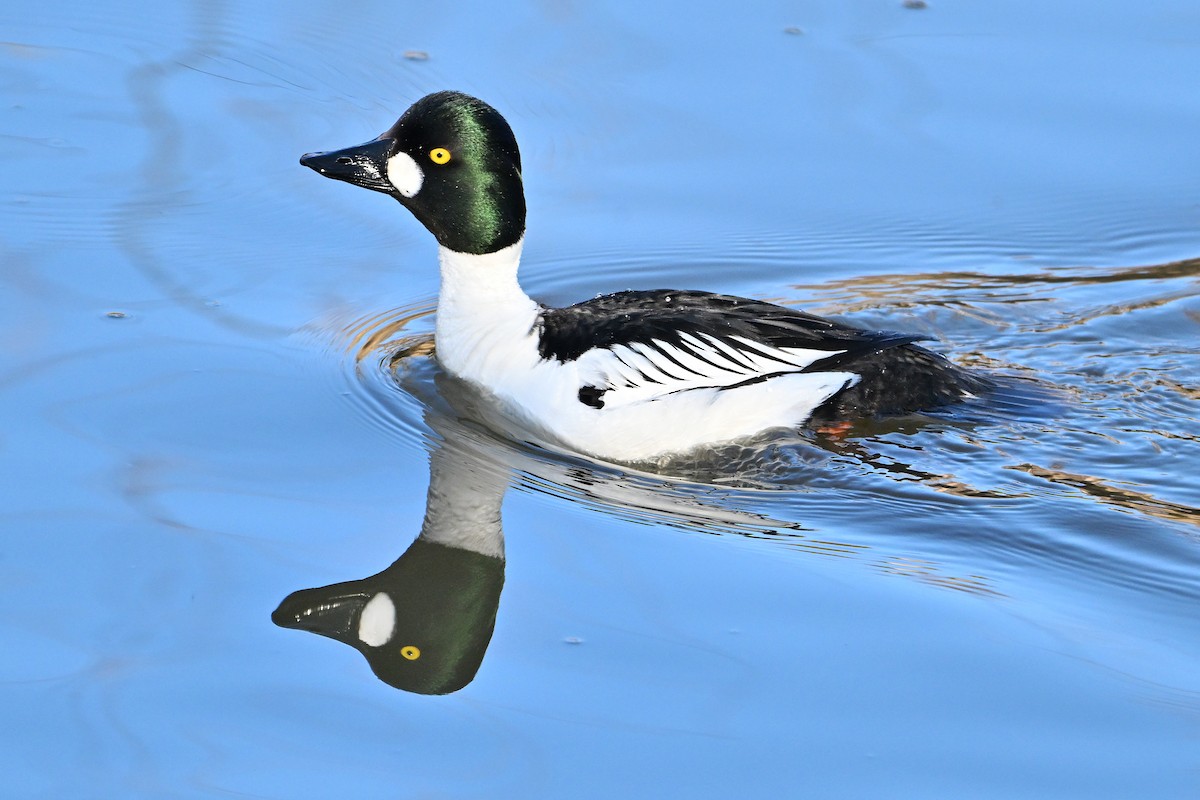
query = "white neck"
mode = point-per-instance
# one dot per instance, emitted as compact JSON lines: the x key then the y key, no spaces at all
{"x":462,"y":508}
{"x":466,"y":275}
{"x":482,"y":311}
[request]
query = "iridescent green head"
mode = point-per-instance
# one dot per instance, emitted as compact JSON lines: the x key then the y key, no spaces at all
{"x":452,"y":161}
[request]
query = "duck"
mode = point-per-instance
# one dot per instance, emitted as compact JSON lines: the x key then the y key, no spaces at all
{"x":631,"y":376}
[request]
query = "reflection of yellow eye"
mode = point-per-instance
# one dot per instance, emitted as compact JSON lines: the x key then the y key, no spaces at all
{"x":410,"y":652}
{"x":439,"y":155}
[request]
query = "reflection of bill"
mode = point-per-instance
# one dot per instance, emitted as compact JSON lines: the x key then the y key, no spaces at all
{"x":425,"y":622}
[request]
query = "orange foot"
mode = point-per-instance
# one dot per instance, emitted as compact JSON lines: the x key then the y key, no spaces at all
{"x":836,"y":430}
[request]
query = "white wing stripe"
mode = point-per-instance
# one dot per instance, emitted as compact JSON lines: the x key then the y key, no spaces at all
{"x":616,"y":371}
{"x":714,"y":358}
{"x":658,"y":354}
{"x":751,"y":360}
{"x":729,"y":352}
{"x":744,"y":363}
{"x":644,"y":371}
{"x":761,"y":351}
{"x":799,"y":357}
{"x":647,"y":369}
{"x":707,"y":353}
{"x":807,"y":357}
{"x":696,"y":365}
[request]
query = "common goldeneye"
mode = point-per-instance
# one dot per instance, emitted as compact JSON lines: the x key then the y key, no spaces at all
{"x":627,"y":376}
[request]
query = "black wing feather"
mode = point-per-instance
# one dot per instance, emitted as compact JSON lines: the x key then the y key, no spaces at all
{"x":664,"y":315}
{"x":895,"y":375}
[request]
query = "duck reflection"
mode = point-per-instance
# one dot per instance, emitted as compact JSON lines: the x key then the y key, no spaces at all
{"x":425,"y":622}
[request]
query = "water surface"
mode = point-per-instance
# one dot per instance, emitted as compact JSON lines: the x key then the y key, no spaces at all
{"x":211,"y":401}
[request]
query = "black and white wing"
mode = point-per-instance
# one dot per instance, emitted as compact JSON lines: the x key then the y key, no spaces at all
{"x":637,"y":346}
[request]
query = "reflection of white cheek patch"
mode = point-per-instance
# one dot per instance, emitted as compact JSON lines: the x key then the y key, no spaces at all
{"x":377,"y":621}
{"x":404,"y":174}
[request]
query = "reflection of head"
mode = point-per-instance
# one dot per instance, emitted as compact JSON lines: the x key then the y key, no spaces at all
{"x":423,"y":624}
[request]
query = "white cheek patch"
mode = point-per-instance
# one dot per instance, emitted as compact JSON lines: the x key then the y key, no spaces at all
{"x":404,"y":174}
{"x":378,"y":620}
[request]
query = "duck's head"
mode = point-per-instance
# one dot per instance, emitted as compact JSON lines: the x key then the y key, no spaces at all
{"x":452,"y":161}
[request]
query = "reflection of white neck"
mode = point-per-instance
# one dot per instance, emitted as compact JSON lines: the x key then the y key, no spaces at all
{"x":484,"y":319}
{"x":463,"y":506}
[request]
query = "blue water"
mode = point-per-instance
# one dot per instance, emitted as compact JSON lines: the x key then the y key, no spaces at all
{"x":209,"y":402}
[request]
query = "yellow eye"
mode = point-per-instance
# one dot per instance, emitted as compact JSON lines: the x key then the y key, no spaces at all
{"x":439,"y":155}
{"x":410,"y":652}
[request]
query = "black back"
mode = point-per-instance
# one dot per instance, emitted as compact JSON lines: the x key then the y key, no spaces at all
{"x":895,"y":375}
{"x":663,"y":315}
